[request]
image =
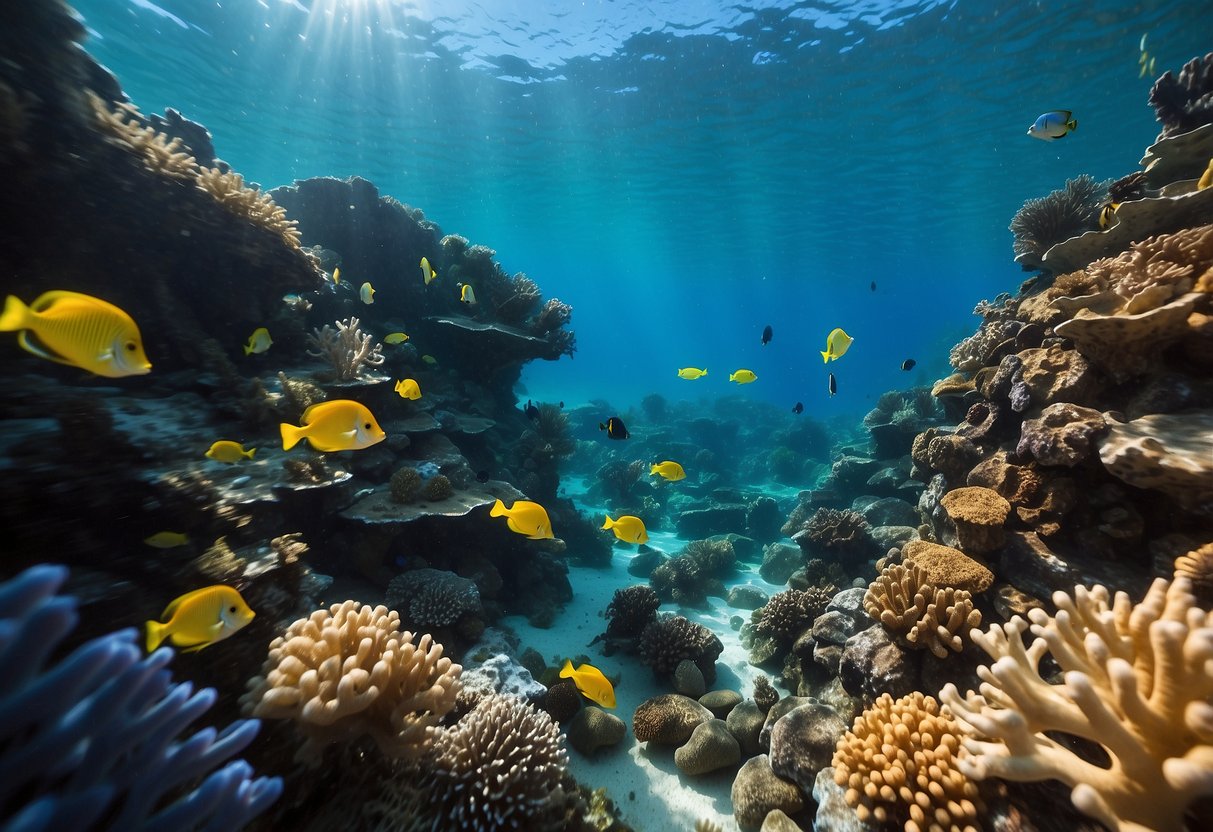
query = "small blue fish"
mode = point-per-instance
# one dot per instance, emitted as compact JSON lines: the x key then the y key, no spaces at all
{"x":1054,"y":124}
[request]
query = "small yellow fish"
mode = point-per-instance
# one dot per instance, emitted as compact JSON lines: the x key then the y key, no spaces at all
{"x":1151,"y":65}
{"x":367,"y":293}
{"x":1206,"y":178}
{"x":429,"y":359}
{"x":395,"y":338}
{"x":466,"y":295}
{"x":691,"y":373}
{"x":336,"y":275}
{"x":743,"y":376}
{"x":1107,"y":214}
{"x":200,"y":618}
{"x":591,"y":683}
{"x":258,"y":342}
{"x":526,"y":518}
{"x":837,"y":344}
{"x":166,"y":540}
{"x":427,"y":274}
{"x":628,"y":528}
{"x":408,"y":389}
{"x":225,"y":450}
{"x":336,"y":425}
{"x":668,"y":470}
{"x":78,"y":330}
{"x":1144,"y":68}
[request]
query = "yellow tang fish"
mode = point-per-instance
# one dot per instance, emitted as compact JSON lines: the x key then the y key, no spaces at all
{"x":200,"y":618}
{"x":837,"y":344}
{"x":427,"y":274}
{"x":429,"y":359}
{"x":408,"y":389}
{"x":367,"y":293}
{"x":395,"y":338}
{"x":337,"y":425}
{"x":1206,"y":178}
{"x":466,"y":295}
{"x":166,"y":540}
{"x":78,"y":330}
{"x":258,"y":342}
{"x":628,"y":528}
{"x":225,"y":450}
{"x":691,"y":373}
{"x":744,"y":376}
{"x":591,"y":683}
{"x":669,"y":470}
{"x":336,"y":275}
{"x":525,"y":517}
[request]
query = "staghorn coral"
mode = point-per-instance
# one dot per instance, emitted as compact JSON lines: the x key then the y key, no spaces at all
{"x":672,"y":638}
{"x":791,"y":612}
{"x":907,"y":604}
{"x":501,"y":767}
{"x":1185,"y":102}
{"x":159,"y":153}
{"x":631,"y":610}
{"x":348,"y":671}
{"x":1135,"y":680}
{"x":1043,"y":222}
{"x":898,"y":764}
{"x":347,"y":349}
{"x":229,"y":190}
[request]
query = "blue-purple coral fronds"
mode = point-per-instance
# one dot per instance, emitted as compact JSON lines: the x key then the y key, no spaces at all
{"x":93,"y":738}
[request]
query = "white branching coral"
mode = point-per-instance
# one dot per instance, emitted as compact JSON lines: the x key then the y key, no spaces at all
{"x":347,"y":349}
{"x":1137,"y":680}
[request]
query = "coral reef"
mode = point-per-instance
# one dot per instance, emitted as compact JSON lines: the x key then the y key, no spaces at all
{"x":1064,"y":213}
{"x":907,"y":604}
{"x":840,"y":535}
{"x":631,"y":610}
{"x":229,"y":190}
{"x":672,"y":638}
{"x":348,"y":350}
{"x":791,"y":612}
{"x":1185,"y":102}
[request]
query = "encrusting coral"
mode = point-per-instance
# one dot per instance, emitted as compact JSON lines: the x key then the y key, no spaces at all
{"x":348,"y":671}
{"x":898,"y":764}
{"x":1137,"y":679}
{"x":347,"y":349}
{"x":930,"y":617}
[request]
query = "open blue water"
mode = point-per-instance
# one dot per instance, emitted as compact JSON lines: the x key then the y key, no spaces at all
{"x":684,"y":172}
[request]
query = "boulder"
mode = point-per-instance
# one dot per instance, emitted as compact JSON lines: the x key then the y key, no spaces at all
{"x":711,"y":747}
{"x":779,"y":561}
{"x":593,"y":728}
{"x":1063,"y":434}
{"x":746,"y":597}
{"x":757,"y":791}
{"x":745,"y":722}
{"x":872,"y":664}
{"x":803,"y":741}
{"x":668,"y":719}
{"x":697,"y":524}
{"x":720,"y":702}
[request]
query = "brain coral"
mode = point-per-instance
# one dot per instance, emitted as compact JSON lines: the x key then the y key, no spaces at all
{"x":348,"y":671}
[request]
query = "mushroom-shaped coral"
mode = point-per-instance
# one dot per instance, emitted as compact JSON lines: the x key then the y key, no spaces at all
{"x":632,"y":608}
{"x":907,"y":604}
{"x":499,"y":768}
{"x":671,"y":639}
{"x":898,"y":764}
{"x":1135,"y":681}
{"x":791,"y":612}
{"x":978,"y":514}
{"x":349,"y":671}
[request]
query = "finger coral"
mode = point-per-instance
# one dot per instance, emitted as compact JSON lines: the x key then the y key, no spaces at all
{"x":347,"y":349}
{"x":348,"y":671}
{"x":1137,"y":679}
{"x":930,"y":617}
{"x":898,"y":764}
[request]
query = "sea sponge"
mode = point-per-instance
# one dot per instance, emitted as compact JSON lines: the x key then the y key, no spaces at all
{"x":978,"y":514}
{"x":632,"y":608}
{"x":501,"y":767}
{"x":672,"y":638}
{"x":437,"y":488}
{"x":1135,"y":680}
{"x":930,"y":618}
{"x":791,"y":612}
{"x":349,"y":671}
{"x":405,"y":484}
{"x":898,"y":764}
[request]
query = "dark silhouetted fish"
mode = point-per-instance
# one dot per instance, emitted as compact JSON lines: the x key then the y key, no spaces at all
{"x":614,"y":427}
{"x":530,"y":410}
{"x":873,"y":285}
{"x":562,"y":405}
{"x":833,"y":384}
{"x":482,"y":476}
{"x":767,"y":332}
{"x":908,"y":364}
{"x":798,"y":408}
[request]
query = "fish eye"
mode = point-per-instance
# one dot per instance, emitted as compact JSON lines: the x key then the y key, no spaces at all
{"x":131,"y":346}
{"x":231,"y":609}
{"x":367,"y":426}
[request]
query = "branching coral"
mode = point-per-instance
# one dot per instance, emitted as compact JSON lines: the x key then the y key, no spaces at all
{"x":713,"y":557}
{"x":229,"y":190}
{"x":554,"y":314}
{"x":1184,"y":103}
{"x":898,"y":764}
{"x":1068,"y":212}
{"x":671,"y":639}
{"x":930,"y":617}
{"x":349,"y":671}
{"x":347,"y":349}
{"x":1137,"y":680}
{"x":514,"y":299}
{"x":789,"y":613}
{"x":158,"y":152}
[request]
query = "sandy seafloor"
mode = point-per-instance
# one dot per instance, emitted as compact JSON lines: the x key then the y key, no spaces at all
{"x":641,"y":778}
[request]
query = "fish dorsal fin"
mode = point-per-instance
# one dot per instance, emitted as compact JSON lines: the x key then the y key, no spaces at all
{"x":567,"y":671}
{"x":303,"y":419}
{"x":30,"y":344}
{"x":176,"y":603}
{"x":47,"y":299}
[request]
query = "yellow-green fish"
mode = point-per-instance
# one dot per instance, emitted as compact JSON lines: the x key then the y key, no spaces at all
{"x":200,"y":618}
{"x":591,"y":683}
{"x":337,"y":425}
{"x":367,"y":293}
{"x":525,"y":518}
{"x":429,"y":359}
{"x":427,"y":274}
{"x":628,"y":528}
{"x":225,"y":450}
{"x":669,"y":470}
{"x":166,"y":540}
{"x":691,"y":373}
{"x":395,"y":338}
{"x":336,"y":276}
{"x":78,"y":330}
{"x":743,"y":376}
{"x":1107,"y":214}
{"x":258,"y":342}
{"x":837,"y":344}
{"x":408,"y":389}
{"x":466,"y":295}
{"x":1206,"y":178}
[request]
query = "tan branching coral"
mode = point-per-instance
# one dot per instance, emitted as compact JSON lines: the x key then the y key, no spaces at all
{"x":347,"y":349}
{"x":931,"y":618}
{"x":158,"y":152}
{"x":257,"y":207}
{"x":898,"y":764}
{"x":348,"y":671}
{"x":1197,"y":566}
{"x":1137,"y":680}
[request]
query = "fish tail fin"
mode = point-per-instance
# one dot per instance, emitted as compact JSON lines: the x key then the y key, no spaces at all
{"x":566,"y":672}
{"x":291,"y":435}
{"x":249,"y":453}
{"x":155,"y":634}
{"x":248,"y":350}
{"x":602,"y":426}
{"x":1072,"y":124}
{"x":653,"y":469}
{"x":609,"y":524}
{"x":705,"y":372}
{"x":15,"y":315}
{"x":825,"y":357}
{"x":498,"y":509}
